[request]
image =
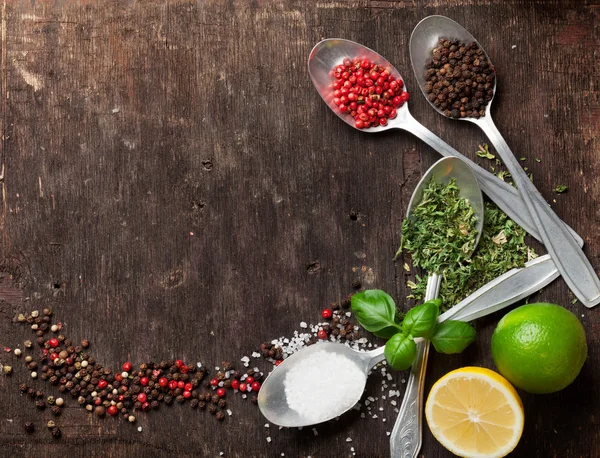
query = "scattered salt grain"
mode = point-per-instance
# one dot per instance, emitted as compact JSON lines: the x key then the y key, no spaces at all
{"x":269,"y":439}
{"x":315,"y":432}
{"x":303,"y":325}
{"x":140,"y":429}
{"x":267,"y":425}
{"x":348,"y":439}
{"x":229,"y":412}
{"x":307,"y":385}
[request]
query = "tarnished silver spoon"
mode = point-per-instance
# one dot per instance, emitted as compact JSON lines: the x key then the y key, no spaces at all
{"x":564,"y":249}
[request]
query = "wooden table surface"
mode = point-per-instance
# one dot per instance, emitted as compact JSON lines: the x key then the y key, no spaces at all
{"x":173,"y":186}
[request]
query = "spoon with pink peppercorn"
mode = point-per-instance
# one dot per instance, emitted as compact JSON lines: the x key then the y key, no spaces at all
{"x":339,"y":67}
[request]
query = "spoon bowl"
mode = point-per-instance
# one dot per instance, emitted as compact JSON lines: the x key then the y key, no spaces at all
{"x":331,"y":52}
{"x":425,"y":37}
{"x":442,"y":172}
{"x":272,"y":398}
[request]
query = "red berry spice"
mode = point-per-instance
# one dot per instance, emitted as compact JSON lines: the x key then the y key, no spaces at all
{"x":327,"y":313}
{"x":221,"y":392}
{"x":181,"y":384}
{"x":173,"y":385}
{"x":53,"y":356}
{"x":102,"y":384}
{"x":142,"y":397}
{"x":235,"y":384}
{"x":214,"y":381}
{"x":250,"y":380}
{"x":119,"y":378}
{"x":243,"y":387}
{"x":112,"y":410}
{"x":162,"y":382}
{"x":179,"y":363}
{"x":322,"y":334}
{"x":278,"y":362}
{"x":187,"y":394}
{"x":256,"y":386}
{"x":184,"y":369}
{"x":53,"y":343}
{"x":145,"y":406}
{"x":127,"y":366}
{"x":362,"y":85}
{"x":188,"y":387}
{"x":144,"y":381}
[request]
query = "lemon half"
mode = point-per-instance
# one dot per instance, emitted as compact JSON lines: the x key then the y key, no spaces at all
{"x":475,"y":413}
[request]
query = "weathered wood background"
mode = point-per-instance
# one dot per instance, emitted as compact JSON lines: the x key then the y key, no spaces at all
{"x":174,"y":187}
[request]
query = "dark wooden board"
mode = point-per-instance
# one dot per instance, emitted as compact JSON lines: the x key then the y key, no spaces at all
{"x":173,"y":186}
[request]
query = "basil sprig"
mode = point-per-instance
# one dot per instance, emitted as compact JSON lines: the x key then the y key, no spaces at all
{"x":375,"y":310}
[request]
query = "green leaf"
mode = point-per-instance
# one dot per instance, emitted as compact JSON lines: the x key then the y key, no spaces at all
{"x":400,"y":351}
{"x":420,"y":321}
{"x":452,"y":336}
{"x":375,"y":310}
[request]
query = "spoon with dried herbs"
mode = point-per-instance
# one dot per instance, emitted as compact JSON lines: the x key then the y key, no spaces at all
{"x":443,"y":225}
{"x":458,"y":79}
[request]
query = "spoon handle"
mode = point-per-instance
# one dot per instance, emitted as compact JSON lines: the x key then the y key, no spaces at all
{"x":514,"y":285}
{"x":570,"y":260}
{"x":502,"y":193}
{"x":407,"y":435}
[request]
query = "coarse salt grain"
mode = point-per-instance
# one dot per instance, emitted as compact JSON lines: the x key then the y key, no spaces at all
{"x":307,"y":385}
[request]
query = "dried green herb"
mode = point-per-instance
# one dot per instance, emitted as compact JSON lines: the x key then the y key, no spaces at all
{"x":484,"y":151}
{"x":560,"y":188}
{"x":501,"y":247}
{"x":440,"y":232}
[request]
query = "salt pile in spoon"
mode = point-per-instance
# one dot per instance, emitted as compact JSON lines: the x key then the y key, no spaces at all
{"x":321,"y":383}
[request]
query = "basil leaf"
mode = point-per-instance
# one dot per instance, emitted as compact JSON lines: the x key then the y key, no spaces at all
{"x":375,"y":310}
{"x":400,"y":351}
{"x":421,"y":320}
{"x":452,"y":336}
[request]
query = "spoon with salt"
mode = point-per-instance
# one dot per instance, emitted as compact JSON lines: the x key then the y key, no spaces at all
{"x":570,"y":260}
{"x":278,"y":397}
{"x":331,"y":52}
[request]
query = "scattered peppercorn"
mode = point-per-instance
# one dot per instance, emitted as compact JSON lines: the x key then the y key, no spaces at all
{"x":29,"y":427}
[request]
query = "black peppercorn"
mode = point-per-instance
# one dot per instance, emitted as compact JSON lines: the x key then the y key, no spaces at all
{"x":56,"y":433}
{"x":29,"y":427}
{"x":220,"y":416}
{"x":40,"y":404}
{"x":56,"y":410}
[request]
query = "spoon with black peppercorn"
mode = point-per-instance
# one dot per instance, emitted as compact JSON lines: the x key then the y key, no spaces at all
{"x":430,"y":45}
{"x":329,"y":53}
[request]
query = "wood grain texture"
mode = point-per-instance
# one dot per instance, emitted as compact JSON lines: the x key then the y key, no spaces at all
{"x":174,"y":187}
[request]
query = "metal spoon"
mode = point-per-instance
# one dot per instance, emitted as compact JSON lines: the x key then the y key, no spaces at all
{"x":511,"y":287}
{"x":411,"y":410}
{"x":272,"y":398}
{"x":331,"y":52}
{"x":570,"y":260}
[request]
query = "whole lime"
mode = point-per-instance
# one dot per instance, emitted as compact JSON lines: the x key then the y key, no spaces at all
{"x":539,"y":348}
